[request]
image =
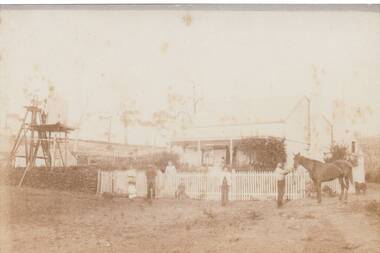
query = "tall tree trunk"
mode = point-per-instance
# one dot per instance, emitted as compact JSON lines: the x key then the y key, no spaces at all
{"x":125,"y":135}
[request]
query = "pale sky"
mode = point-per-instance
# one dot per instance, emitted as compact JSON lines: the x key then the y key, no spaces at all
{"x":117,"y":52}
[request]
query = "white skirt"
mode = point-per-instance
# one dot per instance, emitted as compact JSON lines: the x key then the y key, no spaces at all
{"x":358,"y":174}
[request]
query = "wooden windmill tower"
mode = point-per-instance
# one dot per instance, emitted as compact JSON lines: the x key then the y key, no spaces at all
{"x":47,"y":142}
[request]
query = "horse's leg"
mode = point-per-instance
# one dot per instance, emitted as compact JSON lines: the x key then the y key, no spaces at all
{"x":341,"y":188}
{"x":319,"y":186}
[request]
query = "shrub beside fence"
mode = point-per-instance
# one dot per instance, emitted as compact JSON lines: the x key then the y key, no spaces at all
{"x":244,"y":185}
{"x":66,"y":179}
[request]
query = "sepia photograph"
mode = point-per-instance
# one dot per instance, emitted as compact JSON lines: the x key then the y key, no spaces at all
{"x":190,"y":128}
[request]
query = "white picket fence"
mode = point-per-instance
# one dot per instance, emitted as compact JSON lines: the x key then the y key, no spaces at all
{"x":244,"y":185}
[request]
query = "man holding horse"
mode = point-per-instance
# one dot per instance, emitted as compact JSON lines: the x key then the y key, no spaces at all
{"x":280,"y":173}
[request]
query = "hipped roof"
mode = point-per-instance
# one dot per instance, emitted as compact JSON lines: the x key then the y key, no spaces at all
{"x":226,"y":119}
{"x":254,"y":110}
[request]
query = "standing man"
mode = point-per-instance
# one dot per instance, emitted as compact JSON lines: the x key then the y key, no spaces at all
{"x":151,"y":183}
{"x":280,"y":173}
{"x":225,"y":184}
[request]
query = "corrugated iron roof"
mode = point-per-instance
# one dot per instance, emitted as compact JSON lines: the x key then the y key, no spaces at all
{"x":57,"y":127}
{"x":248,"y":111}
{"x":243,"y":118}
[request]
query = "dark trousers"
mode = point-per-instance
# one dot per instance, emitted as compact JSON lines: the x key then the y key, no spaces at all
{"x":280,"y":192}
{"x":151,"y":190}
{"x":225,"y":187}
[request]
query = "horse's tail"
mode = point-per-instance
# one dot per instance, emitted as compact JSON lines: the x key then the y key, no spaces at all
{"x":350,"y":168}
{"x":350,"y":176}
{"x":347,"y":167}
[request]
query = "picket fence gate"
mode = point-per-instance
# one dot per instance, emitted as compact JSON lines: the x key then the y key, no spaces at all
{"x":244,"y":185}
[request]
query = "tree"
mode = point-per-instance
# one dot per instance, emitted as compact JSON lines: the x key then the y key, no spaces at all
{"x":360,"y":113}
{"x":264,"y":153}
{"x":177,"y":106}
{"x":173,"y":116}
{"x":340,"y":152}
{"x":129,"y":117}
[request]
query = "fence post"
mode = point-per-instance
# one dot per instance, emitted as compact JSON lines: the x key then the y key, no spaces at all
{"x":98,"y":183}
{"x":112,"y":182}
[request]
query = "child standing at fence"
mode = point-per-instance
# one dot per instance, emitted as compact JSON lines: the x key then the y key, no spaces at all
{"x":280,"y":173}
{"x":132,"y":192}
{"x":181,"y":191}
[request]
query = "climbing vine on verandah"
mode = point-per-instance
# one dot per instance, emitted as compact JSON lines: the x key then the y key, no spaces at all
{"x":263,"y":153}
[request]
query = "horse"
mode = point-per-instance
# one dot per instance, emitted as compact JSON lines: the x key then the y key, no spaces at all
{"x":322,"y":172}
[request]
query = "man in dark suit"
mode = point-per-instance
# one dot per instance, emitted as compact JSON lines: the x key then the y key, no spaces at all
{"x":151,"y":174}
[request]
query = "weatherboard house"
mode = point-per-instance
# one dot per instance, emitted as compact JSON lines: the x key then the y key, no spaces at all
{"x":216,"y":133}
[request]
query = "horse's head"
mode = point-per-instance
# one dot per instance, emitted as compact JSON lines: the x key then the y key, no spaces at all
{"x":296,"y":160}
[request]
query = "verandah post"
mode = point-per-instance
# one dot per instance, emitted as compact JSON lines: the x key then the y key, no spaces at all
{"x":199,"y":153}
{"x":231,"y":153}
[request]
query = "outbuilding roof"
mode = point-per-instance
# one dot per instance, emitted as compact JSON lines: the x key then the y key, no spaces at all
{"x":57,"y":127}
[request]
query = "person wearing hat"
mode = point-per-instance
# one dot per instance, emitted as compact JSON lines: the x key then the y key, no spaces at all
{"x":225,"y":184}
{"x":280,"y":173}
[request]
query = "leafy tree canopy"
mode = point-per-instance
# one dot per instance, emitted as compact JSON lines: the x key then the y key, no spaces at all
{"x":264,"y":152}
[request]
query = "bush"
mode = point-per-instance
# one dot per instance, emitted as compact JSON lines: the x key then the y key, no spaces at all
{"x":373,"y":207}
{"x":73,"y":179}
{"x":159,"y":160}
{"x":373,"y":176}
{"x":340,"y":152}
{"x":264,"y":153}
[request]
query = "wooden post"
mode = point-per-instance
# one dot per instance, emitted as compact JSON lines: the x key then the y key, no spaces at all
{"x":224,"y":192}
{"x":199,"y":153}
{"x":49,"y":150}
{"x":231,"y":153}
{"x":65,"y":150}
{"x":26,"y":149}
{"x":112,"y":182}
{"x":33,"y":144}
{"x":31,"y":162}
{"x":54,"y":152}
{"x":98,"y":183}
{"x":18,"y":139}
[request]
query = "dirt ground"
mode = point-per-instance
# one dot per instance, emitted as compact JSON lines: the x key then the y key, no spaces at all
{"x":33,"y":220}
